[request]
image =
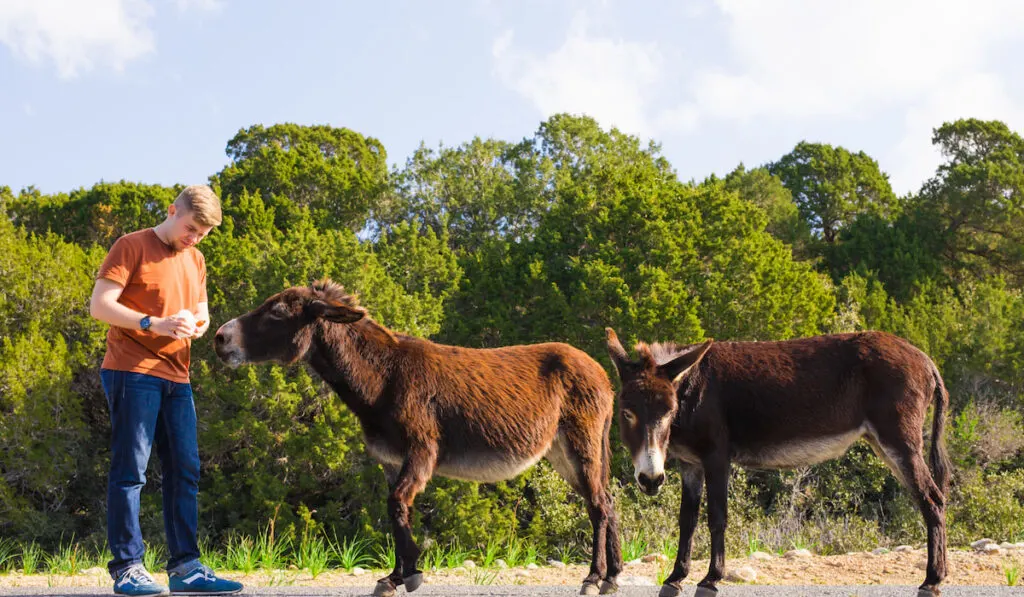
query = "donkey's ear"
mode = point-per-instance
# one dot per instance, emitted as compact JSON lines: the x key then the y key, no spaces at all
{"x":335,"y":312}
{"x":616,"y":351}
{"x":677,"y":368}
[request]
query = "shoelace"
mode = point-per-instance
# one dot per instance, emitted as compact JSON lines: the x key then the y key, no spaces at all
{"x":137,"y":575}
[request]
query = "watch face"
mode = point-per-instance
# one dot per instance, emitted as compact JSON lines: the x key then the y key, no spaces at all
{"x":144,"y":324}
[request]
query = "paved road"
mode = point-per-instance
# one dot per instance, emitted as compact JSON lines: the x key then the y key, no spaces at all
{"x":538,"y":591}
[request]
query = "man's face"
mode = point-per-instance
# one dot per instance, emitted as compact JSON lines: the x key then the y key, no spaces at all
{"x":185,"y":232}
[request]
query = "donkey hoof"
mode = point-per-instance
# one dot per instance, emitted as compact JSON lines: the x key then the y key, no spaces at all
{"x":670,"y":590}
{"x":590,"y":588}
{"x":384,"y":588}
{"x":413,"y":581}
{"x":607,"y":588}
{"x":705,"y":592}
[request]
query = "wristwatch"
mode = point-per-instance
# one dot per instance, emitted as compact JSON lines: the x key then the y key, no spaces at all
{"x":145,"y":322}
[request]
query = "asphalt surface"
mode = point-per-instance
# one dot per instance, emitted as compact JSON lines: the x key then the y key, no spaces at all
{"x":540,"y":591}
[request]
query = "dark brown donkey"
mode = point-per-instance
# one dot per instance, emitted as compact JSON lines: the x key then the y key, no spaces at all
{"x":473,"y":414}
{"x":780,"y":405}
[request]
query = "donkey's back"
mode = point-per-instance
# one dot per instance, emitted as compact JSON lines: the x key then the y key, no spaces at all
{"x":800,"y":402}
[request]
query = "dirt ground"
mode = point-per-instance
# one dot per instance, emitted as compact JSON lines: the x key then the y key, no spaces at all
{"x":966,"y":568}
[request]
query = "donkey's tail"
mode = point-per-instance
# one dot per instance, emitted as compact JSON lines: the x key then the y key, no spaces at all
{"x":939,"y":458}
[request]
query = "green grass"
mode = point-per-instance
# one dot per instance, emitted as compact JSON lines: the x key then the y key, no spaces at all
{"x":270,"y":550}
{"x":31,"y":556}
{"x":8,"y":550}
{"x":312,"y":555}
{"x":155,"y":556}
{"x":353,"y":551}
{"x":634,"y":547}
{"x":68,"y":559}
{"x":241,"y":554}
{"x":1012,"y":572}
{"x":385,"y":554}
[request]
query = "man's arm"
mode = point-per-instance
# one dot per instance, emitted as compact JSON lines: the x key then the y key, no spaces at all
{"x":104,"y":307}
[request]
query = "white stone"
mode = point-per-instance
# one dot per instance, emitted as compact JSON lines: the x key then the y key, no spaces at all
{"x":741,"y":574}
{"x":980,"y":544}
{"x":469,"y":564}
{"x":903,"y":548}
{"x":629,"y":580}
{"x":357,"y":571}
{"x":556,"y":563}
{"x":761,"y":555}
{"x":797,"y":553}
{"x":500,"y":563}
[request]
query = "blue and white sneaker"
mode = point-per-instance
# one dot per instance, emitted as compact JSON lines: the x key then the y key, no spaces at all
{"x":200,"y":580}
{"x":136,"y":581}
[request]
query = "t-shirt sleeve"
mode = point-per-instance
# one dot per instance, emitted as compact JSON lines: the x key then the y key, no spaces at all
{"x":119,"y":263}
{"x":202,"y":279}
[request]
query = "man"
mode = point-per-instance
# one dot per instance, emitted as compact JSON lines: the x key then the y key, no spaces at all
{"x":147,"y":279}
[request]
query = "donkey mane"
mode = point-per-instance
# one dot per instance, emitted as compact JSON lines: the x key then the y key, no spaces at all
{"x":333,"y":293}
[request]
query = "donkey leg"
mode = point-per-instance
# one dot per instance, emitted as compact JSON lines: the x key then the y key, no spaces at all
{"x":689,"y":511}
{"x":932,"y":504}
{"x":386,"y":587}
{"x":578,"y":462}
{"x":613,"y":547}
{"x":613,"y":544}
{"x":412,"y":479}
{"x":716,"y":476}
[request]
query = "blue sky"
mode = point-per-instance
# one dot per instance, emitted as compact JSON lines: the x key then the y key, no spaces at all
{"x":152,"y":90}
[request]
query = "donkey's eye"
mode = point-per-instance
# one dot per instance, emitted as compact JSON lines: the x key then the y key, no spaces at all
{"x":278,"y":312}
{"x":629,"y":417}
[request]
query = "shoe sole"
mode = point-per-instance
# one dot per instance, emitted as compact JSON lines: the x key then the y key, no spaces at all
{"x":202,"y":593}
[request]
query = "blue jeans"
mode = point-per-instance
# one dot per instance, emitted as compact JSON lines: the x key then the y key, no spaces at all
{"x":147,"y":410}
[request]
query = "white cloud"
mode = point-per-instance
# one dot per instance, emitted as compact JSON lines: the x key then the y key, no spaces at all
{"x":982,"y":96}
{"x":799,"y":58}
{"x":77,"y":36}
{"x":200,"y":5}
{"x":605,"y":78}
{"x":804,"y":59}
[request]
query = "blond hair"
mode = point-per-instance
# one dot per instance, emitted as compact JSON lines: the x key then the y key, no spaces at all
{"x":202,"y":202}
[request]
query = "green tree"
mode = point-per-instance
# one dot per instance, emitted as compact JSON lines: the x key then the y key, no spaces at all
{"x":831,"y":186}
{"x":335,"y":172}
{"x":977,"y":198}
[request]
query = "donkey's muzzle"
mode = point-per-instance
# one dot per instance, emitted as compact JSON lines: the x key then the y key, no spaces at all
{"x":651,"y":485}
{"x":226,"y":344}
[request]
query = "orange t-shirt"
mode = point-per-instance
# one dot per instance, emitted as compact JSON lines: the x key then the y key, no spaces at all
{"x":157,"y":281}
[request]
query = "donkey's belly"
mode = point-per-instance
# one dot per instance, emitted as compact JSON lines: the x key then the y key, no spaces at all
{"x":485,"y":467}
{"x":796,"y":453}
{"x":478,"y":465}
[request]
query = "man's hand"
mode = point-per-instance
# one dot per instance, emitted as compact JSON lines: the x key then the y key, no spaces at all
{"x":201,"y":327}
{"x":173,"y":326}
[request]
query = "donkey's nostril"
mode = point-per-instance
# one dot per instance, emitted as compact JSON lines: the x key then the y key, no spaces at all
{"x":651,"y":484}
{"x":219,"y":339}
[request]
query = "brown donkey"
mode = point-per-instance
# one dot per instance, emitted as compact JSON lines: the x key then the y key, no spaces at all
{"x":425,"y":409}
{"x":780,"y":405}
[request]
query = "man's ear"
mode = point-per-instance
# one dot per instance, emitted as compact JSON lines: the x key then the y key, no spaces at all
{"x":676,"y":369}
{"x":334,"y":312}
